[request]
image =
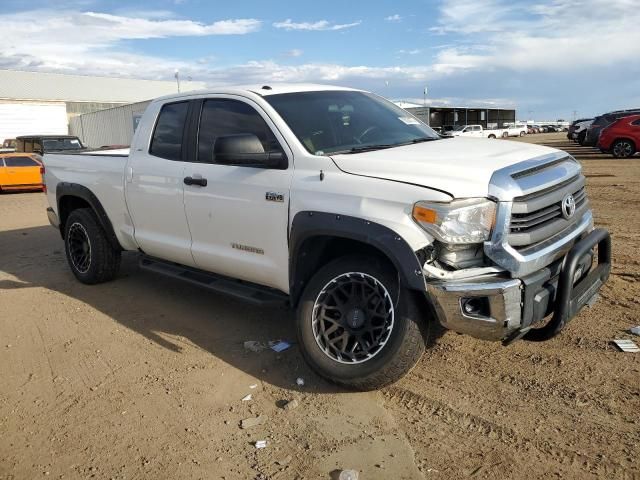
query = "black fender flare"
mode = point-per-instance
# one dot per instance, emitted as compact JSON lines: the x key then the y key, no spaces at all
{"x":309,"y":224}
{"x":67,"y":189}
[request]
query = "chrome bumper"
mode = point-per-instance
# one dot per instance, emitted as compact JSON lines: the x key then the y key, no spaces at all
{"x":504,"y":298}
{"x":506,"y":308}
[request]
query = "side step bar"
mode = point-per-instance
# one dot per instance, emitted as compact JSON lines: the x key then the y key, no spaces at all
{"x":249,"y":292}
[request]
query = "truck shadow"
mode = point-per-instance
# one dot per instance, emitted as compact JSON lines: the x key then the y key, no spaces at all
{"x":168,"y":312}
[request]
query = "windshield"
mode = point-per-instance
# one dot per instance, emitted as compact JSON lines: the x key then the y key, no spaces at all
{"x":51,"y":144}
{"x":458,"y":128}
{"x":332,"y":122}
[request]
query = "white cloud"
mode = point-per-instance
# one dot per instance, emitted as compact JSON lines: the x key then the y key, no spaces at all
{"x":288,"y":24}
{"x":90,"y":42}
{"x":414,"y":51}
{"x":296,"y":52}
{"x":393,"y":18}
{"x":558,"y":35}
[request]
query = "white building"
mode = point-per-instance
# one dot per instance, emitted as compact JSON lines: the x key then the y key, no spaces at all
{"x":43,"y":103}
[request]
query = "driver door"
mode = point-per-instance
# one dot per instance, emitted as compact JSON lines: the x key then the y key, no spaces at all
{"x":238,"y":214}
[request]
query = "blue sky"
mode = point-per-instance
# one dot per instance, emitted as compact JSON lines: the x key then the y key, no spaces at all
{"x":546,"y":58}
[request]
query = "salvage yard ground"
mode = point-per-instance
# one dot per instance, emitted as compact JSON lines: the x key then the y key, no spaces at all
{"x":143,"y":377}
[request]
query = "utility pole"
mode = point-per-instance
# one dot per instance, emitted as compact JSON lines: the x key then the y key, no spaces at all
{"x":177,"y":75}
{"x":574,"y":115}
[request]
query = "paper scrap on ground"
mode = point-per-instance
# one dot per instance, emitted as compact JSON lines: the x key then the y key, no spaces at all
{"x":627,"y":346}
{"x":261,"y":443}
{"x":280,"y":346}
{"x":246,"y":398}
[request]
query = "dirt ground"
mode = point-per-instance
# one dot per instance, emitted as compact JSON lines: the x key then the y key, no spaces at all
{"x":144,"y":377}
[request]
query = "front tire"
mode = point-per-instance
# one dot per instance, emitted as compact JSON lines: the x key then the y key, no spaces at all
{"x":623,"y":148}
{"x":90,"y":255}
{"x":357,"y":326}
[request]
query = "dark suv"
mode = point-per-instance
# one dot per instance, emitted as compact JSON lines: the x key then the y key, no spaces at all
{"x":48,"y":143}
{"x":602,"y":121}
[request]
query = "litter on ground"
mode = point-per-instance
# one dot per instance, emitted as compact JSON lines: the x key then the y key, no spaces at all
{"x":627,"y":346}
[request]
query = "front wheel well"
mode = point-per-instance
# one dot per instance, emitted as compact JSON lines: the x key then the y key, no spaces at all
{"x":317,"y":251}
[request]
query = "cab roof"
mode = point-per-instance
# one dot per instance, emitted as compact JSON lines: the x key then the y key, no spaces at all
{"x":263,"y":90}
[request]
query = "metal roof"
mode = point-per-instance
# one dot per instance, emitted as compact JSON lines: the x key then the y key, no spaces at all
{"x":19,"y":85}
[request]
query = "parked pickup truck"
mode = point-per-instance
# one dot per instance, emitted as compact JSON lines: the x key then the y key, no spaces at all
{"x":478,"y":131}
{"x":349,"y":209}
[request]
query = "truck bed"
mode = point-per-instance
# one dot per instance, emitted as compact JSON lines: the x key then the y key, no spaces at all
{"x":102,"y":172}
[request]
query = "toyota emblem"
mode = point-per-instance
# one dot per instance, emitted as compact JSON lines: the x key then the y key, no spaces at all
{"x":568,"y":206}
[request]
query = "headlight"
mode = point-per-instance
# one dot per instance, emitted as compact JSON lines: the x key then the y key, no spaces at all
{"x":457,"y":222}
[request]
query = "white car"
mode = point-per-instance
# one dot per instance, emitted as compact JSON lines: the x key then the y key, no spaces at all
{"x":516,"y":129}
{"x":344,"y":207}
{"x":478,"y":131}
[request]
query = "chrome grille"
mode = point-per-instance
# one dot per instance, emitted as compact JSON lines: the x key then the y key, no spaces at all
{"x":530,"y":231}
{"x":538,"y":216}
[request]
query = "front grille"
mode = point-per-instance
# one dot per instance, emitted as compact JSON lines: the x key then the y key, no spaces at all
{"x":537,"y":217}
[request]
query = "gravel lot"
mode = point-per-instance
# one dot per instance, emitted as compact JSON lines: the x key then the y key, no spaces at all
{"x":143,"y":377}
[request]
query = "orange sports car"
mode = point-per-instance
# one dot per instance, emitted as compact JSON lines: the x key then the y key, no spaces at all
{"x":20,"y":171}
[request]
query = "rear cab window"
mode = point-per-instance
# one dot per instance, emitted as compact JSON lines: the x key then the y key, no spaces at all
{"x":167,"y":138}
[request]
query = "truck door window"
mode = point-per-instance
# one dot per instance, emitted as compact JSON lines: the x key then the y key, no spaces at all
{"x":222,"y":117}
{"x":167,"y":136}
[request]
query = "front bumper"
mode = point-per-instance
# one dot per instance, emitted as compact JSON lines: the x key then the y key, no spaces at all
{"x":508,"y":307}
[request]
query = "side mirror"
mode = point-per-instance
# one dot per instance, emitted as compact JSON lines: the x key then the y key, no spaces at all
{"x":247,"y":150}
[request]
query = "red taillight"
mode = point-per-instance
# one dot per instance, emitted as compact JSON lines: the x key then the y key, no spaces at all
{"x":44,"y":185}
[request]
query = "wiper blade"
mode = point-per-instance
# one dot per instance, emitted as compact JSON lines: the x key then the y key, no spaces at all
{"x":368,"y":148}
{"x":425,"y":139}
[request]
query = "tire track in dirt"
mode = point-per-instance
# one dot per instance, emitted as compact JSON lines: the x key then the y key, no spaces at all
{"x":400,"y":398}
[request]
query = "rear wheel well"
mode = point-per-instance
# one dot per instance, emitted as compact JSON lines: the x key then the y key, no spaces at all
{"x":66,"y":205}
{"x":317,"y":251}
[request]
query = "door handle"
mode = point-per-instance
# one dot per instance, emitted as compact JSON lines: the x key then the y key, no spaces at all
{"x":202,"y":182}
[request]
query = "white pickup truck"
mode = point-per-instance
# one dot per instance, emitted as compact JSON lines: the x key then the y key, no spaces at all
{"x":478,"y":131}
{"x":344,"y":206}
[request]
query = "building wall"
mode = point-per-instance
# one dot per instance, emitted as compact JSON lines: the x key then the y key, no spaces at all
{"x":114,"y":126}
{"x":27,"y":118}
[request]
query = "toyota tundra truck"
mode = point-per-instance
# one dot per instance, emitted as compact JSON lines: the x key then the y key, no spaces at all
{"x":372,"y":227}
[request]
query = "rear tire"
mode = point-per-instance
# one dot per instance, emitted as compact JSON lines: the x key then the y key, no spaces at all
{"x":623,"y":148}
{"x":492,"y":136}
{"x":357,"y":326}
{"x":522,"y":134}
{"x":90,"y":255}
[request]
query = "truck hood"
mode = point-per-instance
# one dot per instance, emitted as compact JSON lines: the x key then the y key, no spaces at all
{"x":459,"y":166}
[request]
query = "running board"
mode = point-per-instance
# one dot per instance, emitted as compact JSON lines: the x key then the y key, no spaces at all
{"x":249,"y":292}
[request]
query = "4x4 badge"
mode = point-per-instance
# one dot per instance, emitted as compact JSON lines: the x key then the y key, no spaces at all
{"x":274,"y":197}
{"x":568,"y":206}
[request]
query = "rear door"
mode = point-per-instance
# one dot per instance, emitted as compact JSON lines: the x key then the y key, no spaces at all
{"x":239,"y":219}
{"x":154,"y":185}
